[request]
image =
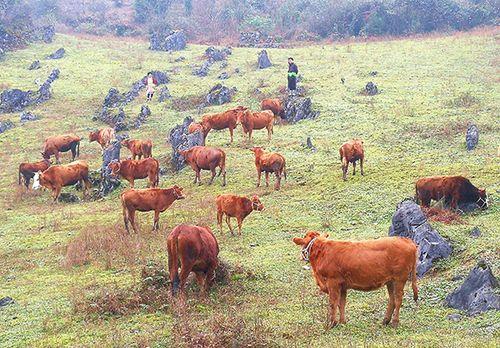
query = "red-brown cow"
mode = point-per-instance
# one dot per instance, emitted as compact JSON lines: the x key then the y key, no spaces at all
{"x":273,"y":104}
{"x":139,"y":148}
{"x":195,"y":249}
{"x":137,"y":169}
{"x":350,"y":152}
{"x":61,"y":143}
{"x":27,"y":170}
{"x":56,"y":177}
{"x":362,"y":265}
{"x":207,"y":158}
{"x":269,"y":163}
{"x":102,"y":136}
{"x":236,"y":206}
{"x":256,"y":120}
{"x":147,"y":200}
{"x":227,"y":119}
{"x":195,"y":127}
{"x":454,"y":190}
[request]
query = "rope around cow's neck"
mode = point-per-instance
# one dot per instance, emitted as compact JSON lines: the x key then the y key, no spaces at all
{"x":306,"y":252}
{"x":484,"y":202}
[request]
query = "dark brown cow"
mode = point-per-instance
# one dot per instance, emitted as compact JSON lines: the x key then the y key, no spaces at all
{"x":147,"y":200}
{"x":273,"y":104}
{"x":102,"y":136}
{"x":350,"y":152}
{"x":207,"y":158}
{"x":194,"y":249}
{"x":256,"y":120}
{"x":236,"y":206}
{"x":27,"y":170}
{"x":454,"y":190}
{"x":227,"y":119}
{"x":56,"y":177}
{"x":137,"y":169}
{"x":139,"y":148}
{"x":269,"y":163}
{"x":362,"y":265}
{"x":61,"y":143}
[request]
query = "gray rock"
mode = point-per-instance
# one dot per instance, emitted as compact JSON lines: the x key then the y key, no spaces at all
{"x":68,"y":197}
{"x":6,"y":125}
{"x":12,"y":100}
{"x":371,"y":88}
{"x":28,"y":116}
{"x":45,"y":92}
{"x":220,"y":94}
{"x":47,"y":33}
{"x":143,"y":115}
{"x":35,"y":65}
{"x":224,"y":64}
{"x":373,"y":73}
{"x":112,"y":99}
{"x":217,"y":55}
{"x":180,"y":59}
{"x":57,"y":54}
{"x":310,"y":145}
{"x":472,"y":137}
{"x":298,"y":108}
{"x":5,"y":301}
{"x":454,"y":317}
{"x":409,"y":221}
{"x":223,"y":76}
{"x":179,"y":139}
{"x":477,"y":293}
{"x":237,"y":70}
{"x":475,"y":232}
{"x":164,"y":94}
{"x":203,"y":70}
{"x":263,"y":60}
{"x":160,"y":77}
{"x":167,"y":40}
{"x":111,"y":153}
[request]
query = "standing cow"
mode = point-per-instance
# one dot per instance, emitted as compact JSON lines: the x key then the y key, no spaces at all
{"x":350,"y":152}
{"x":236,"y":206}
{"x":28,"y":170}
{"x":139,"y":148}
{"x":194,"y":249}
{"x":54,"y":145}
{"x":273,"y":104}
{"x":227,"y":119}
{"x":137,"y":169}
{"x":102,"y":136}
{"x":256,"y":120}
{"x":269,"y":163}
{"x":207,"y":158}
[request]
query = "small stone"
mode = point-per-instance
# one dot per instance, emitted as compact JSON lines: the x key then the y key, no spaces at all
{"x":35,"y":65}
{"x":454,"y":317}
{"x":57,"y":54}
{"x":475,"y":232}
{"x":371,"y":88}
{"x":6,"y":301}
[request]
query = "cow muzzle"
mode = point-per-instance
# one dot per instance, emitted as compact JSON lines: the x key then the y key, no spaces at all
{"x":36,"y":182}
{"x":483,"y":203}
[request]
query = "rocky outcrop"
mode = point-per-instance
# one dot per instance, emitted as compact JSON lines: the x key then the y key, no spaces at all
{"x":180,"y":139}
{"x":45,"y":92}
{"x":112,"y":99}
{"x":203,"y":70}
{"x":6,"y":125}
{"x":167,"y":41}
{"x":258,"y":39}
{"x":215,"y":55}
{"x":263,"y":60}
{"x":143,"y":115}
{"x":35,"y":65}
{"x":220,"y":94}
{"x":164,"y":94}
{"x":298,"y":108}
{"x":111,"y":153}
{"x":57,"y":54}
{"x":472,"y":137}
{"x":223,"y":76}
{"x":27,"y":117}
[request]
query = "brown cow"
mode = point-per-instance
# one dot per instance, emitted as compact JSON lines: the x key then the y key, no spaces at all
{"x":102,"y":136}
{"x":454,"y":190}
{"x":139,"y":148}
{"x":227,"y":119}
{"x":269,"y":163}
{"x":147,"y":200}
{"x":362,"y":265}
{"x":56,"y":177}
{"x":61,"y":143}
{"x":236,"y":206}
{"x":27,"y":170}
{"x":137,"y":169}
{"x":273,"y":104}
{"x":256,"y":120}
{"x":195,"y":127}
{"x":196,"y":250}
{"x":350,"y":152}
{"x":207,"y":158}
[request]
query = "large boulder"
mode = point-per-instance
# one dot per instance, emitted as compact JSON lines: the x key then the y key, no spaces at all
{"x":220,"y":94}
{"x":112,"y":99}
{"x":180,"y":139}
{"x":263,"y":60}
{"x":298,"y":108}
{"x":164,"y":94}
{"x":57,"y":54}
{"x":12,"y":100}
{"x":6,"y":125}
{"x":110,"y":154}
{"x":472,"y":137}
{"x":216,"y":55}
{"x":167,"y":41}
{"x":133,"y":92}
{"x":5,"y":301}
{"x":477,"y":293}
{"x":409,"y":221}
{"x":45,"y":93}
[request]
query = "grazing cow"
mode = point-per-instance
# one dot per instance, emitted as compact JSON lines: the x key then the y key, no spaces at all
{"x":137,"y":169}
{"x":269,"y":163}
{"x":27,"y":170}
{"x":256,"y":120}
{"x":352,"y":151}
{"x":207,"y":158}
{"x":102,"y":136}
{"x":454,"y":190}
{"x":56,"y":177}
{"x":227,"y":119}
{"x":236,"y":206}
{"x":273,"y":104}
{"x":147,"y":200}
{"x":196,"y":250}
{"x":139,"y":148}
{"x":61,"y":143}
{"x":195,"y":127}
{"x":362,"y":265}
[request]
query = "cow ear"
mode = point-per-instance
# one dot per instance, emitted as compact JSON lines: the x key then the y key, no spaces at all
{"x":298,"y":241}
{"x":325,"y":235}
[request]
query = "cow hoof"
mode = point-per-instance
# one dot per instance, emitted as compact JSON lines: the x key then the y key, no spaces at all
{"x":386,"y":321}
{"x":395,"y":325}
{"x":332,"y":324}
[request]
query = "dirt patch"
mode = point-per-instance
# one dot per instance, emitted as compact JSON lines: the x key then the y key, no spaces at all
{"x":442,"y":215}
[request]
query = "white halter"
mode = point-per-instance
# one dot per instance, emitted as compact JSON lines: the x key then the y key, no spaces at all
{"x":306,"y":252}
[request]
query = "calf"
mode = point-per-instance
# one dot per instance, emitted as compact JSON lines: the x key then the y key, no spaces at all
{"x":56,"y":177}
{"x":227,"y":119}
{"x":27,"y":171}
{"x":102,"y":136}
{"x":362,"y":265}
{"x":61,"y":143}
{"x":256,"y":120}
{"x":273,"y":104}
{"x":139,"y":148}
{"x":269,"y":163}
{"x":350,"y":152}
{"x":207,"y":158}
{"x":454,"y":190}
{"x":155,"y":199}
{"x":236,"y":206}
{"x":137,"y":169}
{"x":196,"y":250}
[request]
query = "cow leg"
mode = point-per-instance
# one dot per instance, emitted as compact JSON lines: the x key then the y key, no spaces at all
{"x":269,"y":131}
{"x":343,"y":300}
{"x":240,"y":222}
{"x":250,"y":135}
{"x":73,"y":152}
{"x":58,"y":159}
{"x":27,"y":182}
{"x":231,"y":133}
{"x":186,"y":268}
{"x":126,"y":218}
{"x":228,"y":222}
{"x":267,"y":179}
{"x":277,"y":185}
{"x":259,"y":173}
{"x":131,"y":215}
{"x":354,"y":168}
{"x":56,"y":192}
{"x":156,"y":222}
{"x":390,"y":304}
{"x":201,"y":280}
{"x":213,"y":175}
{"x":398,"y":299}
{"x":345,"y":167}
{"x":361,"y":166}
{"x":334,"y":294}
{"x":198,"y":176}
{"x":210,"y":276}
{"x":219,"y":220}
{"x":131,"y":182}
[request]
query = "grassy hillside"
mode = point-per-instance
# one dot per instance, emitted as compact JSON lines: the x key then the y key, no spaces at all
{"x":430,"y":89}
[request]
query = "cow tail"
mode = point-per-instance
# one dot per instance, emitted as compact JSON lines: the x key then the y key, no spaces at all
{"x":284,"y":169}
{"x":157,"y":182}
{"x":19,"y":176}
{"x":414,"y":278}
{"x":222,"y":163}
{"x":125,"y":213}
{"x":416,"y":194}
{"x":78,"y":149}
{"x":173,"y":264}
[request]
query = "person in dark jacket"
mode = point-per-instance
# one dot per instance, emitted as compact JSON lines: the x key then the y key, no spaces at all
{"x":292,"y":74}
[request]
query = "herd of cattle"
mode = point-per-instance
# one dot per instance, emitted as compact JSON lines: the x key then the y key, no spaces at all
{"x":336,"y":265}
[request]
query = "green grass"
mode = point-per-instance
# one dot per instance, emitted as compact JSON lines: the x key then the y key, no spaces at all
{"x":430,"y":89}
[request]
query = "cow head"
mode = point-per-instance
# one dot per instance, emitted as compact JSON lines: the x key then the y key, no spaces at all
{"x":125,"y":142}
{"x":243,"y":115}
{"x":115,"y":167}
{"x":93,"y":136}
{"x":177,"y":191}
{"x":483,"y":201}
{"x":258,"y":151}
{"x":38,"y":180}
{"x":256,"y":203}
{"x":184,"y":153}
{"x":310,"y":235}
